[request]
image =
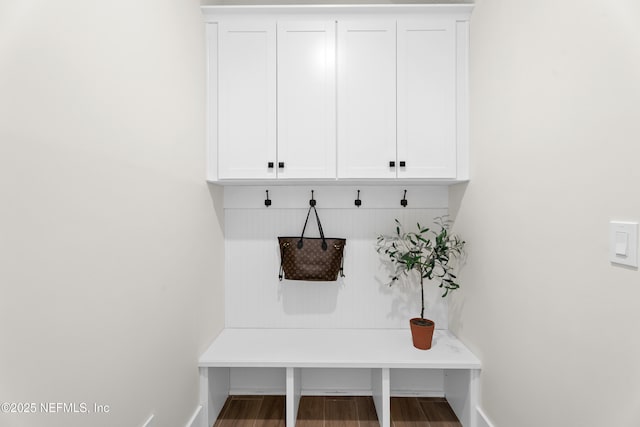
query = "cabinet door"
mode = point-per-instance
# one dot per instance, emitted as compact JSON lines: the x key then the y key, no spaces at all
{"x":306,"y":99}
{"x":366,"y":99}
{"x":247,"y":100}
{"x":426,"y":99}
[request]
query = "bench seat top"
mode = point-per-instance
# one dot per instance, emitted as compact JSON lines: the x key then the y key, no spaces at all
{"x":335,"y":348}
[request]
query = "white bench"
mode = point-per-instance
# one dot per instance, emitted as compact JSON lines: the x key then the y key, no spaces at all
{"x":379,"y":350}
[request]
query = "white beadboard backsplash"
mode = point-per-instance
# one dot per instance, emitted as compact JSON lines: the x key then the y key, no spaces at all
{"x":255,"y":298}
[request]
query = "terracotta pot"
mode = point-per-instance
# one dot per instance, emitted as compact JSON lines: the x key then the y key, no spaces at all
{"x":422,"y":332}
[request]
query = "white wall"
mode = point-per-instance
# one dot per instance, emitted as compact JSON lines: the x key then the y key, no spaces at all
{"x":111,"y":246}
{"x":555,"y":132}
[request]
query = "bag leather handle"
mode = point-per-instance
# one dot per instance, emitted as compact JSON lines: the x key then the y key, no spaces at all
{"x":324,"y":242}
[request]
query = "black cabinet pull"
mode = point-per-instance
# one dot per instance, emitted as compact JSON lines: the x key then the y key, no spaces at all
{"x":403,"y":164}
{"x":270,"y":165}
{"x":392,"y":164}
{"x":281,"y":164}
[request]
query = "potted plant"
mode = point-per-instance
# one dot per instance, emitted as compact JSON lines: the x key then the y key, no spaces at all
{"x":430,"y":254}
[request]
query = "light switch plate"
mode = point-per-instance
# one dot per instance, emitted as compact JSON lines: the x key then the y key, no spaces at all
{"x":623,"y":243}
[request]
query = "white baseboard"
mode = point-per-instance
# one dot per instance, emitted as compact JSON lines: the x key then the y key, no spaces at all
{"x":416,"y":393}
{"x":242,"y":391}
{"x":195,"y":420}
{"x":483,"y":420}
{"x":334,"y":392}
{"x":149,"y":422}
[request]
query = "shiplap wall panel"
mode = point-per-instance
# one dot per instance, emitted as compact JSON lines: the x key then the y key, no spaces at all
{"x":255,"y":298}
{"x":257,"y":381}
{"x":322,"y":382}
{"x":417,"y":382}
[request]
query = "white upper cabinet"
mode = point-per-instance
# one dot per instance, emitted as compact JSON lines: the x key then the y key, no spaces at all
{"x":366,"y":99}
{"x":426,"y":102}
{"x":247,"y":100}
{"x":422,"y":144}
{"x":338,"y":93}
{"x":306,"y":100}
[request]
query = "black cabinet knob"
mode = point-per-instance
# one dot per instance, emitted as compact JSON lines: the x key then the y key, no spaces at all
{"x":392,"y":164}
{"x":403,"y":164}
{"x":270,"y":165}
{"x":280,"y":164}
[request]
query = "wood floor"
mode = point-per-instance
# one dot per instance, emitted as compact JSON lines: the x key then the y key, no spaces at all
{"x":335,"y":411}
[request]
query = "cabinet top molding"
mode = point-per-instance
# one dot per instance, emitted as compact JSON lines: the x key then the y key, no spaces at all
{"x":211,"y":13}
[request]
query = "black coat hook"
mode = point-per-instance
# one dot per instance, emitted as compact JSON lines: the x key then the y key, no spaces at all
{"x":358,"y":202}
{"x":312,"y":202}
{"x":267,"y":201}
{"x":403,"y":202}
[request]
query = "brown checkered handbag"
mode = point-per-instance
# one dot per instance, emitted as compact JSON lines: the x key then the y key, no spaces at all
{"x":311,"y":258}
